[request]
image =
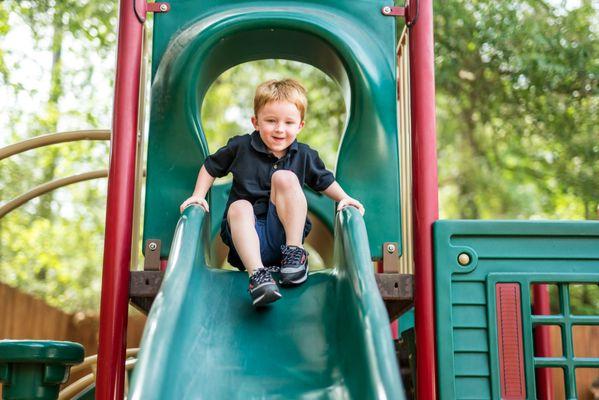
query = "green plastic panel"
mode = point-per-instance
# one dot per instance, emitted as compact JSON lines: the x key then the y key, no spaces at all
{"x":327,"y":339}
{"x":49,"y":351}
{"x":520,"y":252}
{"x":31,"y":369}
{"x":351,"y":41}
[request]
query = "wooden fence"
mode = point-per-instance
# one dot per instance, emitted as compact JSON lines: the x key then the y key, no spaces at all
{"x":23,"y":316}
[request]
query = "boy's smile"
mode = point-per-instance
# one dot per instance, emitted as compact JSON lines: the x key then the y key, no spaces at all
{"x":278,"y":123}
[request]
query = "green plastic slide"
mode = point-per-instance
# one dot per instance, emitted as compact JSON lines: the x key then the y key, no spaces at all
{"x":328,"y":338}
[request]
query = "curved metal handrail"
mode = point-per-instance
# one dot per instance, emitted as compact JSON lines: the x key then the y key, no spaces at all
{"x":45,"y":140}
{"x":89,"y":361}
{"x":84,"y":382}
{"x":48,"y":187}
{"x":53,"y":138}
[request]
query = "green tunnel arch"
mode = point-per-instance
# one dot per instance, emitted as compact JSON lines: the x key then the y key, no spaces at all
{"x":193,"y":45}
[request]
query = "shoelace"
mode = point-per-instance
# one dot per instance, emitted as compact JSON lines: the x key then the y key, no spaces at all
{"x":262,"y":276}
{"x":292,"y":255}
{"x":273,"y":268}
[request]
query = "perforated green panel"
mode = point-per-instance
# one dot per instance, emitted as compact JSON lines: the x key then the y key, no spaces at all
{"x":505,"y":252}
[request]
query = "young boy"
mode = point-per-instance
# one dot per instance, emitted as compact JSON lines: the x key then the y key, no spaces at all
{"x":265,"y":220}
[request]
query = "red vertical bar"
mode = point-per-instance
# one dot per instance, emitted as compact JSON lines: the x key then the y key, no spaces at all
{"x":541,"y":306}
{"x":119,"y":211}
{"x":425,"y":189}
{"x":510,"y":347}
{"x":394,"y":329}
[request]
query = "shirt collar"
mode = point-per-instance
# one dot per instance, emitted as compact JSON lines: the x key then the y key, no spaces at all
{"x":260,"y":147}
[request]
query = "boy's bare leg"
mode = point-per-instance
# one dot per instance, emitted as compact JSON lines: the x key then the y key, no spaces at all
{"x":243,"y":232}
{"x":287,"y":195}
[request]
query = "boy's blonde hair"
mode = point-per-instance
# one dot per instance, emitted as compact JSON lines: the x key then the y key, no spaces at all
{"x":283,"y":90}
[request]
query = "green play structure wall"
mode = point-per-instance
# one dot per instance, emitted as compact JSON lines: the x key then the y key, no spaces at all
{"x":521,"y":252}
{"x":351,"y":41}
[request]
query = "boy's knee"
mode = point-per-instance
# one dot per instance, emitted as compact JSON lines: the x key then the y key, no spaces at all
{"x":240,"y":208}
{"x":284,"y":179}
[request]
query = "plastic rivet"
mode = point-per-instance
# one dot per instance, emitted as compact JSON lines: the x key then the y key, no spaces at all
{"x":464,"y":259}
{"x":390,"y":248}
{"x":163,"y":7}
{"x":152,"y":246}
{"x":386,"y":10}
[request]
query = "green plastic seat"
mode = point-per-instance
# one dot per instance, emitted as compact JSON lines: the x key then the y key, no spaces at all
{"x":31,"y":369}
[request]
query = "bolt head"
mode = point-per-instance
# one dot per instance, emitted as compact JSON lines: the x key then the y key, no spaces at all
{"x":390,"y":248}
{"x":152,"y":246}
{"x":163,"y":7}
{"x":464,"y":259}
{"x":386,"y":10}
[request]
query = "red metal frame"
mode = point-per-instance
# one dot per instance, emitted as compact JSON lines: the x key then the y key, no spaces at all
{"x":425,"y":192}
{"x":541,"y":306}
{"x":119,"y":212}
{"x":393,"y":11}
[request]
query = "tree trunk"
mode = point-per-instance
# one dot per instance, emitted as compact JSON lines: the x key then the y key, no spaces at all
{"x":50,"y":120}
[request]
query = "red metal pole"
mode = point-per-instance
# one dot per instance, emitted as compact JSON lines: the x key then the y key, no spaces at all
{"x":119,"y":211}
{"x":542,"y":306}
{"x":425,"y":189}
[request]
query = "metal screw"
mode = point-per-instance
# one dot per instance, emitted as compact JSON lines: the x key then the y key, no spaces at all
{"x":152,"y":246}
{"x":390,"y":248}
{"x":464,"y":259}
{"x":386,"y":10}
{"x":163,"y":7}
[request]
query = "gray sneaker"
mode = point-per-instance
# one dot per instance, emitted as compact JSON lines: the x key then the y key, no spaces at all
{"x":263,"y":288}
{"x":294,"y":266}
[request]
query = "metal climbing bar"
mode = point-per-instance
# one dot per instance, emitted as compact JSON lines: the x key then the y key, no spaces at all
{"x":53,"y":138}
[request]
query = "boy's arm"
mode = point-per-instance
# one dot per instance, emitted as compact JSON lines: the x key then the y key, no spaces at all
{"x":336,"y":192}
{"x":203,"y":184}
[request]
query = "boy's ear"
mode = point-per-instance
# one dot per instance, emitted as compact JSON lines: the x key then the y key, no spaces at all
{"x":255,"y":122}
{"x":301,"y":125}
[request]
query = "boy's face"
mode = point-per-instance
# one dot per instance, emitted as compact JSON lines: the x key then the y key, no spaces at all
{"x":278,"y":122}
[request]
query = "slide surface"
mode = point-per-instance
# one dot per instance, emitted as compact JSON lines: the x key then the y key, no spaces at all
{"x":327,"y":339}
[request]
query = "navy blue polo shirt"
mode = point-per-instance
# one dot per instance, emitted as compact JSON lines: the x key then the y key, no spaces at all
{"x":252,"y":166}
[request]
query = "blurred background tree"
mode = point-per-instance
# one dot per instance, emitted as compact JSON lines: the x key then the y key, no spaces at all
{"x":518,"y":108}
{"x":56,"y":61}
{"x":517,"y":111}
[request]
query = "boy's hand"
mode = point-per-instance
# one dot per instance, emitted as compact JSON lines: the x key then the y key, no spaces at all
{"x":348,"y":201}
{"x":195,"y":200}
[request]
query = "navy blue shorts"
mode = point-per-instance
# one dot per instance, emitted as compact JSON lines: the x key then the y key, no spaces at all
{"x":271,"y":235}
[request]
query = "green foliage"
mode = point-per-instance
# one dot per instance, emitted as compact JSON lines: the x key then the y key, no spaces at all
{"x":229,"y":102}
{"x":518,"y":106}
{"x":57,"y":260}
{"x":584,"y":299}
{"x":3,"y":31}
{"x":52,"y":246}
